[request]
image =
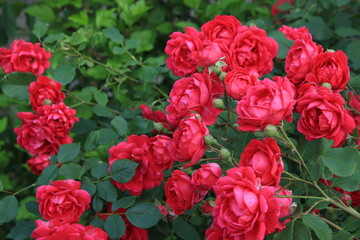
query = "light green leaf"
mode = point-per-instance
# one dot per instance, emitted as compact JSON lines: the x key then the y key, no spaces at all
{"x":114,"y":35}
{"x":101,"y":98}
{"x":41,"y":11}
{"x":40,"y":28}
{"x":133,"y":43}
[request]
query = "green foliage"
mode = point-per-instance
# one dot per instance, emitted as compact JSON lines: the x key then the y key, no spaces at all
{"x":8,"y":207}
{"x":144,"y":215}
{"x":115,"y":226}
{"x":123,"y":170}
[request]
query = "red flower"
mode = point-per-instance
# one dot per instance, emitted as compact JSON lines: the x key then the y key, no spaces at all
{"x":188,"y":140}
{"x":274,"y":8}
{"x":205,"y":177}
{"x":294,"y":33}
{"x":238,"y":81}
{"x":136,"y":149}
{"x":323,"y":115}
{"x":63,"y":201}
{"x":264,"y":157}
{"x":38,"y":163}
{"x":160,"y":147}
{"x":25,"y":57}
{"x":45,"y":88}
{"x":266,"y":103}
{"x":180,"y":194}
{"x":299,"y":59}
{"x":330,"y":67}
{"x":252,"y":49}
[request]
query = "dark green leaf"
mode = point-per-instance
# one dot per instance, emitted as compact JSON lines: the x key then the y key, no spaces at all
{"x":40,"y":29}
{"x":144,"y":215}
{"x":97,"y":204}
{"x":102,"y":111}
{"x":100,"y":170}
{"x":124,"y":202}
{"x":8,"y":208}
{"x":347,"y":32}
{"x":107,"y":191}
{"x":339,"y":3}
{"x":91,"y":140}
{"x":318,"y":225}
{"x":185,"y":231}
{"x":284,"y":43}
{"x":148,"y":74}
{"x":64,"y":73}
{"x":318,"y":28}
{"x":22,"y":230}
{"x":68,"y":152}
{"x":352,"y":53}
{"x":120,"y":125}
{"x":33,"y":207}
{"x":1,"y":186}
{"x":342,"y":235}
{"x":88,"y":186}
{"x":41,"y":11}
{"x":133,"y":43}
{"x":118,"y":50}
{"x":15,"y":85}
{"x":195,"y":4}
{"x":72,"y":171}
{"x":294,"y":230}
{"x":106,"y":135}
{"x":114,"y":226}
{"x":101,"y":98}
{"x":351,"y":224}
{"x":285,"y":6}
{"x":123,"y":170}
{"x":113,"y":34}
{"x":48,"y":174}
{"x":97,"y":222}
{"x":341,"y":161}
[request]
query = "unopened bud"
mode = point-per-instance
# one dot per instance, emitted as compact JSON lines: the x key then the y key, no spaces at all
{"x":271,"y":131}
{"x":219,"y":103}
{"x":222,"y":76}
{"x":225,"y":154}
{"x":327,"y":85}
{"x":330,"y":50}
{"x":159,"y":126}
{"x":47,"y":102}
{"x":200,"y":69}
{"x":217,"y":70}
{"x":209,"y":140}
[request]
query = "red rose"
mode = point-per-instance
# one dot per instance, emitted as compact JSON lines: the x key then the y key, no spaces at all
{"x":252,"y":49}
{"x":323,"y":115}
{"x":274,"y":8}
{"x":217,"y":233}
{"x":136,"y":149}
{"x":266,"y":103}
{"x":25,"y":57}
{"x":54,"y":230}
{"x":355,"y":104}
{"x":243,"y":208}
{"x":45,"y":88}
{"x":193,"y":94}
{"x":330,"y":67}
{"x":5,"y":63}
{"x":285,"y":206}
{"x":223,"y":29}
{"x":182,"y":50}
{"x":188,"y":140}
{"x":180,"y":194}
{"x":209,"y":55}
{"x":161,"y":147}
{"x":58,"y":117}
{"x":156,"y":115}
{"x":63,"y":201}
{"x":238,"y":81}
{"x":299,"y":59}
{"x":294,"y":33}
{"x":205,"y":177}
{"x":37,"y":138}
{"x":38,"y":163}
{"x":207,"y":207}
{"x":264,"y":157}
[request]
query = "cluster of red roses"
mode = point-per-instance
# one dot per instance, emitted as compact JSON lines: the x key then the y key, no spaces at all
{"x":45,"y":131}
{"x":62,"y":203}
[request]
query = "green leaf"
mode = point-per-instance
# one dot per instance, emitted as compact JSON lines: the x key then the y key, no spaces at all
{"x":285,"y":6}
{"x":318,"y":28}
{"x":101,"y":98}
{"x":341,"y":161}
{"x":100,"y":170}
{"x":347,"y":32}
{"x":318,"y":225}
{"x":91,"y":140}
{"x":284,"y":43}
{"x":123,"y":170}
{"x":195,"y":4}
{"x":40,"y":28}
{"x":77,"y":39}
{"x":33,"y":207}
{"x":64,"y":73}
{"x":133,"y":43}
{"x":107,"y":191}
{"x":22,"y":230}
{"x":144,"y":215}
{"x":294,"y":230}
{"x":41,"y":11}
{"x":68,"y":152}
{"x":351,"y":224}
{"x":3,"y":124}
{"x":88,"y":186}
{"x":15,"y":85}
{"x":147,"y":37}
{"x":342,"y":235}
{"x":106,"y":135}
{"x":97,"y":204}
{"x":97,"y":222}
{"x":124,"y":202}
{"x":114,"y":35}
{"x":8,"y":208}
{"x":148,"y":74}
{"x":23,"y":213}
{"x":72,"y":171}
{"x":120,"y":125}
{"x":54,"y":37}
{"x":118,"y":50}
{"x":114,"y":226}
{"x":185,"y":231}
{"x":339,"y":3}
{"x":48,"y":174}
{"x":352,"y":53}
{"x":102,"y":111}
{"x":1,"y":186}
